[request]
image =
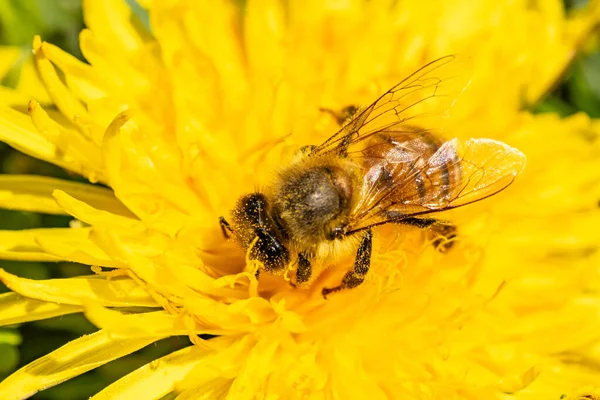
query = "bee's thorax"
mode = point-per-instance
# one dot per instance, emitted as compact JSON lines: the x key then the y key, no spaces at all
{"x":311,"y":202}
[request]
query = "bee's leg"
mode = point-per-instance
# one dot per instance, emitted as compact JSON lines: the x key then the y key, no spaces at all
{"x":342,"y":148}
{"x":419,"y":222}
{"x":302,"y":152}
{"x":304,"y":270}
{"x":342,"y":115}
{"x":442,"y":232}
{"x":225,"y":227}
{"x":267,"y":249}
{"x":356,"y":276}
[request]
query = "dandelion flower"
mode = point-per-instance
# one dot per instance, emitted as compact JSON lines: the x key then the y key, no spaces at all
{"x":179,"y":122}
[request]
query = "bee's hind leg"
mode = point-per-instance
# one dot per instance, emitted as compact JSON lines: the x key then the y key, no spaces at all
{"x":343,"y":115}
{"x":443,"y":235}
{"x":362,"y":263}
{"x":442,"y":232}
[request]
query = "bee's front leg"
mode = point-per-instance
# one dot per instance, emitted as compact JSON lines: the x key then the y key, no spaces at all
{"x":225,"y":227}
{"x":303,"y":270}
{"x":362,"y":263}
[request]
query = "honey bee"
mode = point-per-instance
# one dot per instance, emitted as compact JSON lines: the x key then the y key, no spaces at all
{"x":379,"y":168}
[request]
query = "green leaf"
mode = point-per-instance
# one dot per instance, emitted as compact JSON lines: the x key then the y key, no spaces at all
{"x":10,"y":337}
{"x":554,"y":104}
{"x":12,"y":76}
{"x":140,"y":13}
{"x":75,"y":323}
{"x":19,"y":20}
{"x":29,"y":269}
{"x":9,"y":358}
{"x":13,"y":220}
{"x":58,"y":21}
{"x":584,"y":85}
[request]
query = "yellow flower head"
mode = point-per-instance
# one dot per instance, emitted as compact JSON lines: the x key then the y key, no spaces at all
{"x":180,"y":122}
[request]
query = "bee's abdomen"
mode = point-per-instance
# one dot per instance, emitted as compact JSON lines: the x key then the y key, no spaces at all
{"x":435,"y":175}
{"x":407,"y":168}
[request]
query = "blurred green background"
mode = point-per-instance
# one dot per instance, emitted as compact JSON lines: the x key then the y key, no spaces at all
{"x":59,"y":22}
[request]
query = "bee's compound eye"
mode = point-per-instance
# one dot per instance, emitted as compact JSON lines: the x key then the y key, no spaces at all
{"x":253,"y":205}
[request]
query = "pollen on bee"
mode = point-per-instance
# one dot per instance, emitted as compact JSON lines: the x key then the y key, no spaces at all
{"x":286,"y":275}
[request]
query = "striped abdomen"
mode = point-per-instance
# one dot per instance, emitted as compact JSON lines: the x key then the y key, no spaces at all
{"x":406,"y":173}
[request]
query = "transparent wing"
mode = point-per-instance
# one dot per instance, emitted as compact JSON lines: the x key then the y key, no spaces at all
{"x":405,"y":183}
{"x":429,"y":92}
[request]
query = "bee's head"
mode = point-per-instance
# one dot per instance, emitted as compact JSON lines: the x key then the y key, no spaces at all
{"x":255,"y":229}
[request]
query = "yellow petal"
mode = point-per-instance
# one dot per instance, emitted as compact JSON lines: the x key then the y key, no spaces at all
{"x":203,"y":283}
{"x":163,"y":199}
{"x":204,"y":28}
{"x":12,"y":97}
{"x":74,"y":358}
{"x":76,"y":291}
{"x":17,"y":130}
{"x":8,"y":56}
{"x":214,"y":389}
{"x":136,"y":77}
{"x":22,"y":246}
{"x":156,"y":379}
{"x":93,"y":216}
{"x":52,"y":244}
{"x":586,"y":393}
{"x":73,"y":146}
{"x":264,"y":34}
{"x":75,"y":248}
{"x":151,"y":324}
{"x":66,"y":102}
{"x":80,"y":77}
{"x":110,"y":20}
{"x":219,"y":368}
{"x":34,"y":193}
{"x":141,"y":256}
{"x":17,"y":309}
{"x":30,"y":83}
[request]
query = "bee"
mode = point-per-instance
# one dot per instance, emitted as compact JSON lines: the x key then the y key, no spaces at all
{"x":379,"y":168}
